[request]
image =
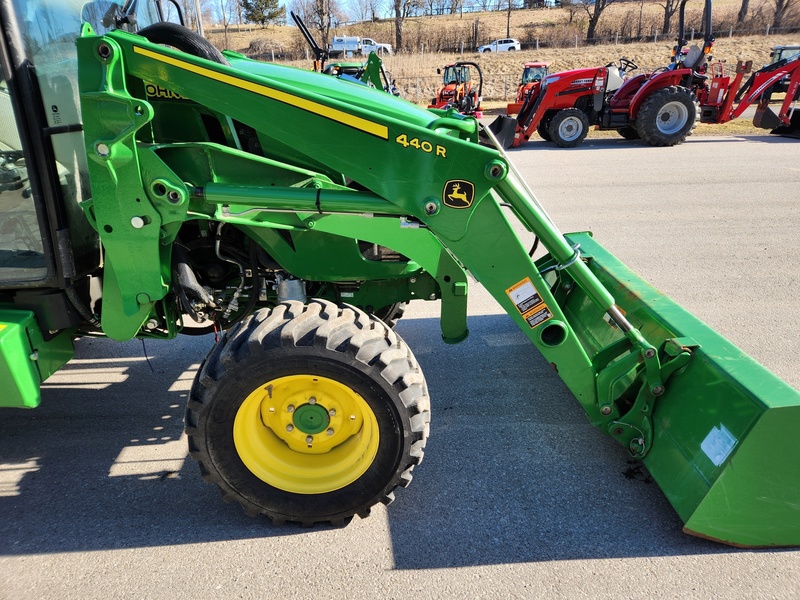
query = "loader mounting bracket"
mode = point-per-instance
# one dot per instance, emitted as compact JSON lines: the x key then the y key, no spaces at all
{"x":629,"y":418}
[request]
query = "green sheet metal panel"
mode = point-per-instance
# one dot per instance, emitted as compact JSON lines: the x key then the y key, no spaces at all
{"x":17,"y":369}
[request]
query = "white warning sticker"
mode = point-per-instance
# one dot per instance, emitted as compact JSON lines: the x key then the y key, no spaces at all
{"x":718,"y":444}
{"x":524,"y":295}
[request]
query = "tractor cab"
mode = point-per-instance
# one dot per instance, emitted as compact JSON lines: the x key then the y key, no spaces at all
{"x":535,"y":71}
{"x":459,"y":90}
{"x":46,"y":242}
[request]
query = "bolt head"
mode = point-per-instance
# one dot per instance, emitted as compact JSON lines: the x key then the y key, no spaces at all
{"x":309,"y":439}
{"x":290,"y":427}
{"x":330,"y":431}
{"x":605,"y":410}
{"x":290,"y":408}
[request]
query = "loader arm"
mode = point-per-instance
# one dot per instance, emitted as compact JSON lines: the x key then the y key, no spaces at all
{"x":345,"y":160}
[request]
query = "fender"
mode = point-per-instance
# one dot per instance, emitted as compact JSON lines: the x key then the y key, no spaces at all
{"x":657,"y":82}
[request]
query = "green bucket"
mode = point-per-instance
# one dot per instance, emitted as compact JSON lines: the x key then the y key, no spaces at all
{"x":726,"y":432}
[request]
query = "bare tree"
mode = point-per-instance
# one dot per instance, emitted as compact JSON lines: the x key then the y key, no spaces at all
{"x":572,"y":7}
{"x":228,"y":11}
{"x":363,"y":10}
{"x":742,"y":12}
{"x":403,"y":9}
{"x":670,"y":8}
{"x":594,"y":9}
{"x":319,"y":15}
{"x":782,"y":8}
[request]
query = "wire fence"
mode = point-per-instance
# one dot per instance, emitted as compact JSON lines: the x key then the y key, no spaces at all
{"x":274,"y":53}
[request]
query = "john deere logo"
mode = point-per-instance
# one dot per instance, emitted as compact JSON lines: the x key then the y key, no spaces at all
{"x":458,"y":193}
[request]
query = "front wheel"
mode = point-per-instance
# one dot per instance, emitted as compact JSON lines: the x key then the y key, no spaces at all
{"x":309,"y":413}
{"x":568,"y":127}
{"x":543,"y":130}
{"x":667,"y":116}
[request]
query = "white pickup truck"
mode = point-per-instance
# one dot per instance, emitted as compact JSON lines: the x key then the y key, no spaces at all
{"x":350,"y":45}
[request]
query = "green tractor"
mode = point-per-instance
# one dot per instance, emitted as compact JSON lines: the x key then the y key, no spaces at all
{"x":153,"y":186}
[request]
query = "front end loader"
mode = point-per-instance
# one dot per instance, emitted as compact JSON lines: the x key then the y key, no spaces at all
{"x":294,"y":213}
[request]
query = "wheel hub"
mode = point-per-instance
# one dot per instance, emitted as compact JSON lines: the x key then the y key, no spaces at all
{"x":672,"y":118}
{"x":306,"y":434}
{"x":570,"y":129}
{"x":311,"y":418}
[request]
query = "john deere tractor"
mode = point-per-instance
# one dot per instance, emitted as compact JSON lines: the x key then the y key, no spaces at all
{"x":155,"y":187}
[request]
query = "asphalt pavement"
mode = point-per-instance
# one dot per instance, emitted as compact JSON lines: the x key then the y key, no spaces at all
{"x":517,"y":497}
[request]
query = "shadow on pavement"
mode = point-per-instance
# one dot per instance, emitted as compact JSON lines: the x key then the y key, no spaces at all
{"x":513,"y":472}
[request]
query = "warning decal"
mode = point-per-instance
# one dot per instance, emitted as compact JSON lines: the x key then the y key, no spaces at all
{"x":529,"y":303}
{"x":524,"y":295}
{"x":538,"y":316}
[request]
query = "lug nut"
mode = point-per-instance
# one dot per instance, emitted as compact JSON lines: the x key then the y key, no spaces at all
{"x":312,"y":400}
{"x":330,"y":431}
{"x":290,"y":408}
{"x":290,"y":427}
{"x":309,"y":439}
{"x":332,"y":412}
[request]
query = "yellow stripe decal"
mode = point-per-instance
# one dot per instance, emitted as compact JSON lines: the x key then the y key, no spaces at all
{"x":330,"y":113}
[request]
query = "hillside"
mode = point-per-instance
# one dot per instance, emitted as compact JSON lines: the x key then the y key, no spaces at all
{"x":415,"y":73}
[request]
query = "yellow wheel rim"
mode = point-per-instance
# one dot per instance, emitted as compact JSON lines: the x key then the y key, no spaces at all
{"x":306,"y":434}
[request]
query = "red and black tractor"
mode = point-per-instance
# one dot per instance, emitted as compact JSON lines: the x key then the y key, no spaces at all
{"x":459,"y":90}
{"x":662,"y":107}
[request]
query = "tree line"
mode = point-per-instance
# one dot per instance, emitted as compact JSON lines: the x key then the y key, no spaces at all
{"x":324,"y":16}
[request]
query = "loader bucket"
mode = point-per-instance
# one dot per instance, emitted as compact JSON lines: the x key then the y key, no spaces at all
{"x":504,"y":128}
{"x":726,"y":432}
{"x":792,"y":129}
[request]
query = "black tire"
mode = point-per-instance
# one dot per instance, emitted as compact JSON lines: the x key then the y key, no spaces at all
{"x":185,"y":40}
{"x":392,"y":313}
{"x":542,"y":130}
{"x":568,"y":127}
{"x":629,"y":133}
{"x":667,"y":116}
{"x":315,"y":344}
{"x":467,"y":106}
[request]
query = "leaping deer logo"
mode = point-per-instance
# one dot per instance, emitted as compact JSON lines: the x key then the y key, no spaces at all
{"x":458,"y":194}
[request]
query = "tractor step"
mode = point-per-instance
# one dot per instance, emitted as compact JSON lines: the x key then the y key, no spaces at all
{"x":724,"y":433}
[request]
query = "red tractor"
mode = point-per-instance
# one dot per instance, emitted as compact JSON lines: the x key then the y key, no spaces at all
{"x":459,"y":90}
{"x":532,"y":75}
{"x":661,"y":107}
{"x":658,"y":107}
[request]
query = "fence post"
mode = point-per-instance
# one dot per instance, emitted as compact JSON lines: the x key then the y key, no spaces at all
{"x":730,"y":33}
{"x":655,"y":38}
{"x":692,"y":35}
{"x":616,"y":39}
{"x":273,"y":54}
{"x":462,"y":46}
{"x":576,"y":40}
{"x":767,"y":30}
{"x":537,"y":44}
